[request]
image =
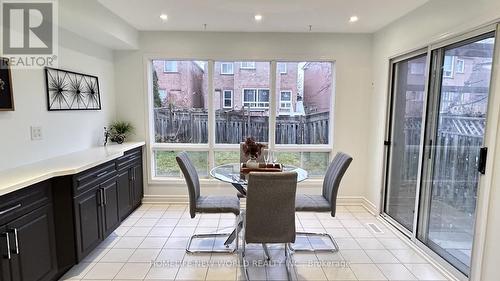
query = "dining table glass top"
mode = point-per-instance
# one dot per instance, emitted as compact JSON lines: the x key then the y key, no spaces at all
{"x":230,"y":173}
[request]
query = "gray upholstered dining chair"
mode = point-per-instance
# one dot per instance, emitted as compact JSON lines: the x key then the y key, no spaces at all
{"x":270,"y":212}
{"x":327,"y":201}
{"x":206,"y":204}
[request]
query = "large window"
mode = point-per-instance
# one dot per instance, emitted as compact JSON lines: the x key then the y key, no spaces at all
{"x":209,"y":108}
{"x":304,"y":103}
{"x":249,"y":113}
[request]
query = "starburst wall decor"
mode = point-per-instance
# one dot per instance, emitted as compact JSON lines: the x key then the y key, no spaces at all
{"x":68,"y":90}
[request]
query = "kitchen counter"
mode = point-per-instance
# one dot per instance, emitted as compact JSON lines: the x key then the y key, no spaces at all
{"x":69,"y":164}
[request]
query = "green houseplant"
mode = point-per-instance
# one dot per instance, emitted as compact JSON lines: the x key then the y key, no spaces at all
{"x":119,"y":130}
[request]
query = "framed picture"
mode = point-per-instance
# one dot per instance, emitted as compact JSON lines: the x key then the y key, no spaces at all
{"x":6,"y":97}
{"x":68,"y":90}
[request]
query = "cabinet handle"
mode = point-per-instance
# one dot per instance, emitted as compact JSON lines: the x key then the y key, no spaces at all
{"x":16,"y":242}
{"x":2,"y":212}
{"x":7,"y":240}
{"x":101,"y":174}
{"x":105,"y":198}
{"x":99,"y":197}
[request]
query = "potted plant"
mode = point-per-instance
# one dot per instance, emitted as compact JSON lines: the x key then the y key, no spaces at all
{"x":119,"y":130}
{"x":252,"y":149}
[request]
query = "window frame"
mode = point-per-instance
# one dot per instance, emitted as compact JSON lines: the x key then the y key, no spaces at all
{"x":211,"y":147}
{"x":223,"y":99}
{"x":165,"y":68}
{"x":452,"y":70}
{"x":257,"y":101}
{"x":222,"y":68}
{"x":290,"y":108}
{"x":253,"y":66}
{"x":280,"y":70}
{"x":460,"y":70}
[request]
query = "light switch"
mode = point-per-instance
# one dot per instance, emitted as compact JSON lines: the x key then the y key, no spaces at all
{"x":36,"y":133}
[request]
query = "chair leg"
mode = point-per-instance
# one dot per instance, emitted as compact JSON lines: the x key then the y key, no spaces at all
{"x":205,"y":236}
{"x":213,"y":235}
{"x":334,"y":243}
{"x":288,"y":261}
{"x":266,"y":252}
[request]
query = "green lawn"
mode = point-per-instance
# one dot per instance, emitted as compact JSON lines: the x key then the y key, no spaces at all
{"x":315,"y":163}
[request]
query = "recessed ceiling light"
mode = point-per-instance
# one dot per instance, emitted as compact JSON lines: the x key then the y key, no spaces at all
{"x":258,"y":17}
{"x":163,"y":17}
{"x":353,"y":19}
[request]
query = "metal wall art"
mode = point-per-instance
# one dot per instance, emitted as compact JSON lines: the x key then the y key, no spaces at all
{"x":68,"y":90}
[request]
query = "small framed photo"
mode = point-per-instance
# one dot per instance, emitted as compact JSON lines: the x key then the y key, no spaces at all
{"x":6,"y":96}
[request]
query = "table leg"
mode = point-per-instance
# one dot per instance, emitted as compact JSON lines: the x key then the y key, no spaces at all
{"x":242,"y":190}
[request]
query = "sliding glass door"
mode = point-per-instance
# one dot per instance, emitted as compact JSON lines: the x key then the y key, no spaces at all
{"x":435,"y":140}
{"x":407,"y":108}
{"x":454,"y":138}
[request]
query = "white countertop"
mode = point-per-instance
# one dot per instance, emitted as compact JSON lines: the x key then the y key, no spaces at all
{"x":69,"y":164}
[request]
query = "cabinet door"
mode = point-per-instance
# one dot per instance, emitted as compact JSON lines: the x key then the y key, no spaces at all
{"x":5,"y":254}
{"x":125,"y":193}
{"x":110,"y":206}
{"x":32,"y":243}
{"x":88,"y":221}
{"x":137,"y":183}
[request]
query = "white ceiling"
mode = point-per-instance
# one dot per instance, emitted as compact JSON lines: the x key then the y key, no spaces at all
{"x":278,"y":15}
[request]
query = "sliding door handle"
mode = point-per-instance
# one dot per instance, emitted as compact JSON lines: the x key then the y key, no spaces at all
{"x":481,"y":163}
{"x":7,"y":241}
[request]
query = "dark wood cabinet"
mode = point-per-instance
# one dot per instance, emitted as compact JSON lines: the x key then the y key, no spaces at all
{"x":130,"y":182}
{"x":50,"y":226}
{"x":125,"y":203}
{"x":33,"y":246}
{"x":87,"y":221}
{"x":109,"y":206}
{"x":28,"y":241}
{"x":103,"y":197}
{"x":137,"y":184}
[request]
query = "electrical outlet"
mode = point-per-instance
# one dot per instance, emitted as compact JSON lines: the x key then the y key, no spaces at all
{"x":36,"y":133}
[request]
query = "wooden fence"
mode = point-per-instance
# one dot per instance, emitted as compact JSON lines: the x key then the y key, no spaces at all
{"x":191,"y":126}
{"x":455,"y":160}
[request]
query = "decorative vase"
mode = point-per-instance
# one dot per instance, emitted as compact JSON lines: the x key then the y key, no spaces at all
{"x":252,"y":163}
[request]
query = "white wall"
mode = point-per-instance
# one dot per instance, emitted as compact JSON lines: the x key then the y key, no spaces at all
{"x":352,"y":54}
{"x":436,"y":20}
{"x":63,"y":132}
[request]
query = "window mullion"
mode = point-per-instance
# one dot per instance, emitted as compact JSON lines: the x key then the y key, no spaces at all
{"x":211,"y":115}
{"x":272,"y":106}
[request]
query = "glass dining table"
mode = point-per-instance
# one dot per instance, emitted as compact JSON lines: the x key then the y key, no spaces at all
{"x":230,"y":173}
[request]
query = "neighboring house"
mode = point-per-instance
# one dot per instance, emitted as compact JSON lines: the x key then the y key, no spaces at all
{"x":318,"y":86}
{"x":464,"y":88}
{"x":180,"y":83}
{"x":246,"y":85}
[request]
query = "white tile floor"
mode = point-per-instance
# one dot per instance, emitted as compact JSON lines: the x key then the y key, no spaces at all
{"x":150,"y":245}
